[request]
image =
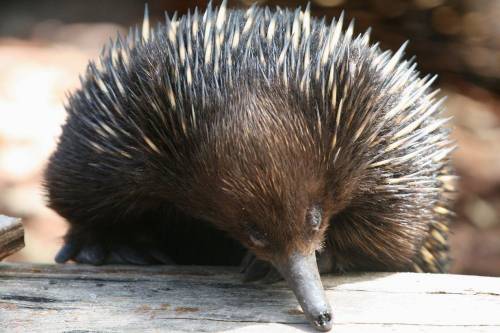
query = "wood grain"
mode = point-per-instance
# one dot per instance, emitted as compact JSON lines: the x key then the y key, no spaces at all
{"x":11,"y":236}
{"x":59,"y":298}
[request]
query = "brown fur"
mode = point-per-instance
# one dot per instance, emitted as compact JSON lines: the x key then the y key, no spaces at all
{"x":250,"y":129}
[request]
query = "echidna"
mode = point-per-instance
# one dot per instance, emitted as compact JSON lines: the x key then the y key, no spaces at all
{"x":301,"y":142}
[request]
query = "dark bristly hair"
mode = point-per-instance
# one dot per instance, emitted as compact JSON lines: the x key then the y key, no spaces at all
{"x":285,"y":132}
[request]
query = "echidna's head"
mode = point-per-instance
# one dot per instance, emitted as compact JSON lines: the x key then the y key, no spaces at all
{"x":264,"y":178}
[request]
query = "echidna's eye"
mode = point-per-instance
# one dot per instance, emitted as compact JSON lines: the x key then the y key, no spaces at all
{"x":259,"y":242}
{"x":314,"y":216}
{"x":255,"y":236}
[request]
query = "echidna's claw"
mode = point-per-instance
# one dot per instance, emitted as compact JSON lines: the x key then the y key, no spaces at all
{"x":67,"y":252}
{"x":97,"y":254}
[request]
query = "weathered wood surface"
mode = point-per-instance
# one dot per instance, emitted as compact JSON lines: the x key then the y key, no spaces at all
{"x":11,"y":236}
{"x":77,"y":298}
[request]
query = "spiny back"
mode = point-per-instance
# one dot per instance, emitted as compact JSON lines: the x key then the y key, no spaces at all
{"x":164,"y":89}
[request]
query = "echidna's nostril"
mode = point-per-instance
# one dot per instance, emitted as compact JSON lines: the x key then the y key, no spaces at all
{"x":324,"y":321}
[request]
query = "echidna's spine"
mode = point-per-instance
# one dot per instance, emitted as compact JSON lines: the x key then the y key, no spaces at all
{"x":344,"y":76}
{"x":434,"y":255}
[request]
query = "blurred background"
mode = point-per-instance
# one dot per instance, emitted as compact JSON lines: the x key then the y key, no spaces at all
{"x":45,"y":44}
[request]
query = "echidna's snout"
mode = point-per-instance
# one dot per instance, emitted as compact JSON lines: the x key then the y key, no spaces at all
{"x":301,"y":273}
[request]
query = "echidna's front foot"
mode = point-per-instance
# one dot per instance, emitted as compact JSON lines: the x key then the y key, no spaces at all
{"x":254,"y":269}
{"x":98,"y":254}
{"x":71,"y":250}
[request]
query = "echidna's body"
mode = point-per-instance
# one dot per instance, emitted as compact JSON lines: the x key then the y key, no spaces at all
{"x":288,"y":134}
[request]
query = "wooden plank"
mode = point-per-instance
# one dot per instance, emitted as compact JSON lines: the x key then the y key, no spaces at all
{"x":11,"y":236}
{"x":58,"y":298}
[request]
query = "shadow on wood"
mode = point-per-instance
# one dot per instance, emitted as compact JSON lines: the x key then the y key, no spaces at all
{"x":56,"y":298}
